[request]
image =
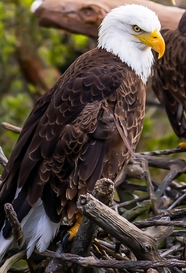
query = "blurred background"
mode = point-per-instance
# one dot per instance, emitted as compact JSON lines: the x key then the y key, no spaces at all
{"x":32,"y":58}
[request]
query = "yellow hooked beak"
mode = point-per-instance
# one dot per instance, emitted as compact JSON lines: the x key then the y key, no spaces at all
{"x":154,"y":40}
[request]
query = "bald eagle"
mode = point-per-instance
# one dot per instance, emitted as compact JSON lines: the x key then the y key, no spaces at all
{"x":84,"y":128}
{"x":169,"y":80}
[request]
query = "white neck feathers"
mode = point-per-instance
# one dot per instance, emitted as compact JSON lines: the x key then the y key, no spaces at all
{"x":139,"y":60}
{"x":116,"y":35}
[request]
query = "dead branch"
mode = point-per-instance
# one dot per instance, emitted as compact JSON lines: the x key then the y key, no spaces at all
{"x":103,"y":191}
{"x":80,"y":16}
{"x":172,"y":249}
{"x":147,"y":223}
{"x":91,"y":261}
{"x":11,"y":127}
{"x":150,"y":188}
{"x":166,"y":163}
{"x":12,"y":218}
{"x":176,"y":167}
{"x":160,"y":232}
{"x":174,"y":215}
{"x":163,"y":152}
{"x":143,"y":246}
{"x":135,"y":169}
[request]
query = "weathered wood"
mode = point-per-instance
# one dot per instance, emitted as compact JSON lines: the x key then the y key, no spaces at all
{"x":135,"y":169}
{"x":143,"y":246}
{"x":112,"y":263}
{"x":84,"y":16}
{"x":159,"y":233}
{"x":147,"y":223}
{"x":12,"y":218}
{"x":103,"y":191}
{"x":11,"y":127}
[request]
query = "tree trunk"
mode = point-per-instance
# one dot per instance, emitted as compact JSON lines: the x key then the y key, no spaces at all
{"x":84,"y":16}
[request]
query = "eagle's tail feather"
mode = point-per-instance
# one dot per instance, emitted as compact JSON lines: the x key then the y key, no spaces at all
{"x":38,"y":232}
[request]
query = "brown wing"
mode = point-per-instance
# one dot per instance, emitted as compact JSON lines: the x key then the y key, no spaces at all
{"x":169,"y":80}
{"x":130,"y":110}
{"x":70,"y":137}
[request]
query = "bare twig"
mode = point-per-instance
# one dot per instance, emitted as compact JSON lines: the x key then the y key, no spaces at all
{"x":12,"y":218}
{"x":163,"y":152}
{"x":176,"y":167}
{"x":146,"y":223}
{"x":91,"y":261}
{"x":150,"y":187}
{"x":11,"y":127}
{"x":170,"y":250}
{"x":177,"y":201}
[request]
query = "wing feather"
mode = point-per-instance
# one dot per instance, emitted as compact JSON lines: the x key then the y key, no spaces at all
{"x":71,"y":139}
{"x":169,"y":80}
{"x":52,"y":138}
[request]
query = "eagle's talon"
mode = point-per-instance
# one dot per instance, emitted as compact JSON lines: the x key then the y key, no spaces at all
{"x":65,"y":242}
{"x":182,"y":145}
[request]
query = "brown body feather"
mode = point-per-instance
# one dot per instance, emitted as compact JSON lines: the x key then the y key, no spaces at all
{"x":169,"y":80}
{"x":71,"y":139}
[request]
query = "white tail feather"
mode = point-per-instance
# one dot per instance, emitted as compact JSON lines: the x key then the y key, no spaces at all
{"x":38,"y":231}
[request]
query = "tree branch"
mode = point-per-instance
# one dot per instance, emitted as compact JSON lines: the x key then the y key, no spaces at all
{"x":84,"y":16}
{"x":91,"y":261}
{"x":143,"y":246}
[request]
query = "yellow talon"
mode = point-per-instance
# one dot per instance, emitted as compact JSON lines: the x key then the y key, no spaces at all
{"x":74,"y":229}
{"x":182,"y":145}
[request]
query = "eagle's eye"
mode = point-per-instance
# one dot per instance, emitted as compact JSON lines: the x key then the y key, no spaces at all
{"x":136,"y":28}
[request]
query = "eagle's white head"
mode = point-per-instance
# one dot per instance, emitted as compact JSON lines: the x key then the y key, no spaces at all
{"x":130,"y":32}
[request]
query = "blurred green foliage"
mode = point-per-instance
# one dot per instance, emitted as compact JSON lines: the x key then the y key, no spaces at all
{"x":20,"y":34}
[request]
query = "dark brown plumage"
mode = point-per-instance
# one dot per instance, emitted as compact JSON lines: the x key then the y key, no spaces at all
{"x":169,"y":80}
{"x":84,"y":128}
{"x":71,"y":138}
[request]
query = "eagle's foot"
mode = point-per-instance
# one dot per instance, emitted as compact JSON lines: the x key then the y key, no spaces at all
{"x":74,"y":229}
{"x":182,"y":145}
{"x":68,"y":234}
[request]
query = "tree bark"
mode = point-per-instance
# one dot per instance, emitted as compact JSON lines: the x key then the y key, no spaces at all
{"x":84,"y":16}
{"x":142,"y":245}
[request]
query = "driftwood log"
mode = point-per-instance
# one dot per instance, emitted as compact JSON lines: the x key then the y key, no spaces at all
{"x":84,"y":16}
